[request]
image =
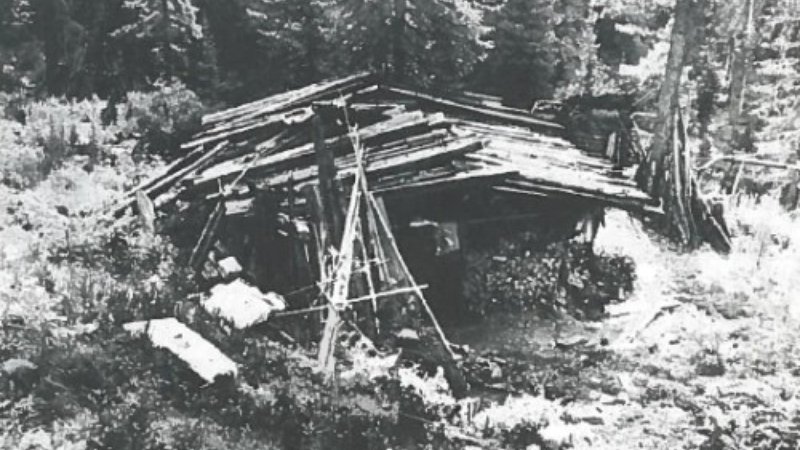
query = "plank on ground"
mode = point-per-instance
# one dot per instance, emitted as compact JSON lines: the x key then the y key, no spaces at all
{"x":202,"y":357}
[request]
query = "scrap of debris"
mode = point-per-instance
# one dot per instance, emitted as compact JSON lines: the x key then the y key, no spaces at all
{"x":241,"y":304}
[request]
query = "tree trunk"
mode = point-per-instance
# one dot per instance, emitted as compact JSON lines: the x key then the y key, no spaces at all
{"x":166,"y":49}
{"x":666,"y":173}
{"x":686,"y":13}
{"x":398,"y":45}
{"x":745,"y":42}
{"x":331,"y":206}
{"x":51,"y":20}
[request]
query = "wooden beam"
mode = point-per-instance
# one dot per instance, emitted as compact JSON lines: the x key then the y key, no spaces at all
{"x":516,"y":119}
{"x":165,"y":183}
{"x":459,"y":179}
{"x":202,"y":357}
{"x":288,"y":99}
{"x":326,"y":179}
{"x":551,"y":189}
{"x":207,"y":236}
{"x":398,"y":125}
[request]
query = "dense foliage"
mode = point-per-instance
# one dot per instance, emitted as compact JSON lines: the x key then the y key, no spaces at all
{"x":237,"y":50}
{"x":519,"y":274}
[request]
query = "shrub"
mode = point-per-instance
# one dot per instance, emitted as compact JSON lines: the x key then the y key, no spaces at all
{"x":163,"y":118}
{"x":19,"y":162}
{"x":515,"y":274}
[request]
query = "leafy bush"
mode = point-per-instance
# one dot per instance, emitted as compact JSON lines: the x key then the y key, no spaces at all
{"x":19,"y":163}
{"x":516,"y":274}
{"x":163,"y":118}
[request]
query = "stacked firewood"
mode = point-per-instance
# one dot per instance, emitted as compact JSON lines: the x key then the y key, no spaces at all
{"x":514,"y":275}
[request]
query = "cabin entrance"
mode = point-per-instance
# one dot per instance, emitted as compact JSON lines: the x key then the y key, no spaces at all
{"x":432,"y":251}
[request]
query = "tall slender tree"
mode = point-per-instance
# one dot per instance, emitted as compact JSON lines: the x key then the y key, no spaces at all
{"x":293,"y":38}
{"x":52,"y":23}
{"x":166,"y":29}
{"x":430,"y":43}
{"x":743,"y":46}
{"x":666,"y":177}
{"x":20,"y":51}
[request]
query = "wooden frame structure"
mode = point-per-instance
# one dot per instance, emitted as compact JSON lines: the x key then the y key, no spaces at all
{"x":288,"y":160}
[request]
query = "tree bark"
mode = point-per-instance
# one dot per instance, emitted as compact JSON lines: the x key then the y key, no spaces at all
{"x":744,"y":45}
{"x":166,"y":49}
{"x":51,"y":18}
{"x":686,"y":12}
{"x":398,"y":45}
{"x":331,"y":206}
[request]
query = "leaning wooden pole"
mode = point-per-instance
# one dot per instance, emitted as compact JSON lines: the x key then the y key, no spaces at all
{"x":329,"y":234}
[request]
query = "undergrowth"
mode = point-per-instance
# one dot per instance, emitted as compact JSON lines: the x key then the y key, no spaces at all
{"x":71,"y":378}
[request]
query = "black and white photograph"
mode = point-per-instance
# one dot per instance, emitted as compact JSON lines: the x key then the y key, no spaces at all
{"x":399,"y":224}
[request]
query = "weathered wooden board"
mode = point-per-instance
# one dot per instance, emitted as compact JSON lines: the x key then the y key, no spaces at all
{"x":287,"y":99}
{"x":205,"y":359}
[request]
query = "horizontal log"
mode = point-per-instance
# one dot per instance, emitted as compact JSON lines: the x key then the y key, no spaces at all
{"x":164,"y":183}
{"x":482,"y":176}
{"x":278,"y":101}
{"x":409,"y":161}
{"x":544,"y":169}
{"x":517,"y":133}
{"x":516,"y":119}
{"x":176,"y":165}
{"x":549,"y":188}
{"x":230,"y":131}
{"x":282,"y":160}
{"x":378,"y":164}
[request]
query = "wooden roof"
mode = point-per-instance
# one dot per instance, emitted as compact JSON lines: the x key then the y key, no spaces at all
{"x":413,"y":140}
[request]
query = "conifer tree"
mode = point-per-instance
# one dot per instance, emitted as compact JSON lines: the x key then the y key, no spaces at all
{"x":165,"y":29}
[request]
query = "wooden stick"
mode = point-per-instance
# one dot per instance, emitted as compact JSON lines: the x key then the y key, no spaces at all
{"x":287,"y":99}
{"x":164,"y":183}
{"x":207,"y":236}
{"x":396,"y":125}
{"x":384,"y":222}
{"x":370,"y":284}
{"x":175,"y":165}
{"x":364,"y":298}
{"x":517,"y":119}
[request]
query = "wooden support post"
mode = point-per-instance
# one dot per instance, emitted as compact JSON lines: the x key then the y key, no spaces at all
{"x":331,"y":229}
{"x":330,"y":212}
{"x":208,"y":235}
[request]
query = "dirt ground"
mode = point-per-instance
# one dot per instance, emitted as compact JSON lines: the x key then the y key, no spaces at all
{"x":702,"y":356}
